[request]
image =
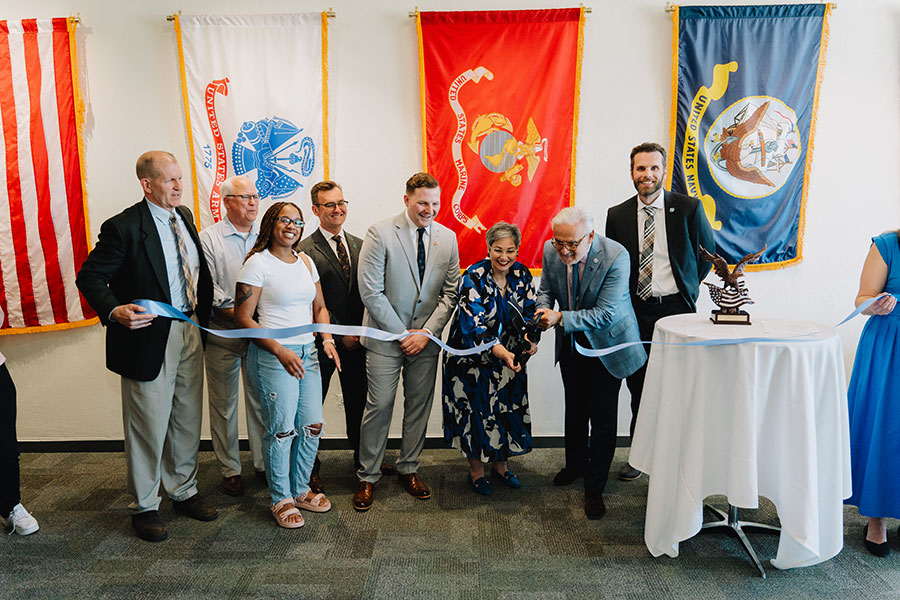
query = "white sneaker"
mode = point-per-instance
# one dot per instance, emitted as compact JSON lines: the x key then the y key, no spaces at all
{"x":20,"y":521}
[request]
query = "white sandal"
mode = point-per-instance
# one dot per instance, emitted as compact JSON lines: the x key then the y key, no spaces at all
{"x":318,"y":503}
{"x":281,"y":512}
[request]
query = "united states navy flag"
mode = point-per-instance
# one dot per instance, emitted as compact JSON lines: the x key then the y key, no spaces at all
{"x":745,"y":91}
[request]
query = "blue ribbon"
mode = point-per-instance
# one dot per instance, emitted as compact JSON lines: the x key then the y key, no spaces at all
{"x":725,"y":341}
{"x":167,"y":310}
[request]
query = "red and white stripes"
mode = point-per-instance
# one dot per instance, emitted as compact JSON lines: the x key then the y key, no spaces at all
{"x":43,"y":237}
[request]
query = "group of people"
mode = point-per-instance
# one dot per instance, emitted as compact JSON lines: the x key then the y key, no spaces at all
{"x":404,"y":276}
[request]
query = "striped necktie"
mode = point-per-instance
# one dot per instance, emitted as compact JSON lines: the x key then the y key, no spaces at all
{"x":645,"y":265}
{"x":185,"y":264}
{"x":342,"y":255}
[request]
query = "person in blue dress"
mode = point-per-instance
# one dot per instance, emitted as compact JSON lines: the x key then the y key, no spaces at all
{"x":486,"y":395}
{"x":874,"y":395}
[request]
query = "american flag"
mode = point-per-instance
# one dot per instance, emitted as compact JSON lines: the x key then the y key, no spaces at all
{"x":43,"y":218}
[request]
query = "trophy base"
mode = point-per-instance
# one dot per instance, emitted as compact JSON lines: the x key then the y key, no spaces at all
{"x":722,"y":318}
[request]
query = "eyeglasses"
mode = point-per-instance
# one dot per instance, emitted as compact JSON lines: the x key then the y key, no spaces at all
{"x":287,"y":221}
{"x":244,"y":197}
{"x":560,"y":244}
{"x":333,"y":205}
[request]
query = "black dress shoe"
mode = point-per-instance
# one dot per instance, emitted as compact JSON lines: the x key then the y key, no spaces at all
{"x":567,"y":476}
{"x":196,"y":508}
{"x":881,"y":550}
{"x":233,"y":486}
{"x":149,"y":526}
{"x":594,"y":507}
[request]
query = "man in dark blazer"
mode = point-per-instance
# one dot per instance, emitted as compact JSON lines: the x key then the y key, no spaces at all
{"x":586,"y":276}
{"x":336,"y":254}
{"x":673,"y":268}
{"x":151,"y":250}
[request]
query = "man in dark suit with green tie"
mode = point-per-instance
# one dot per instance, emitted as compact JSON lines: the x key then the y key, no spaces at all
{"x":336,"y":254}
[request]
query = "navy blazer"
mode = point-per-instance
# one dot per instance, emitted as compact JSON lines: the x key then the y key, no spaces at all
{"x":604,"y":311}
{"x":128,"y":264}
{"x":687,"y":228}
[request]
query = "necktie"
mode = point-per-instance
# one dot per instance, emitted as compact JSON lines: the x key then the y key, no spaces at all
{"x":573,"y":299}
{"x":573,"y":293}
{"x":342,"y":255}
{"x":420,"y":253}
{"x":184,"y":263}
{"x":645,"y":265}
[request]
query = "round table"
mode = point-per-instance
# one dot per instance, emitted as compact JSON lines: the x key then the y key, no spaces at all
{"x":764,"y":417}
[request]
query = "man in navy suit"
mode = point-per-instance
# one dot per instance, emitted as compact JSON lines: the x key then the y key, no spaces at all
{"x":673,"y":268}
{"x":151,"y":250}
{"x":586,"y":275}
{"x":336,"y":254}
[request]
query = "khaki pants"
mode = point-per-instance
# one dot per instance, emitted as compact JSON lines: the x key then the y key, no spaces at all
{"x":162,"y":419}
{"x":226,"y":365}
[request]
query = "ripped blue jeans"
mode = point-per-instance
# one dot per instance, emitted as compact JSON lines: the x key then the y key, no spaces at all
{"x":289,"y":407}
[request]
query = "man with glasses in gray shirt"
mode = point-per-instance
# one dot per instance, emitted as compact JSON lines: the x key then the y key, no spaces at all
{"x":225,"y":245}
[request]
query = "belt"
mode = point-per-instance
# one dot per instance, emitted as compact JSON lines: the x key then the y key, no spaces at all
{"x":662,"y":299}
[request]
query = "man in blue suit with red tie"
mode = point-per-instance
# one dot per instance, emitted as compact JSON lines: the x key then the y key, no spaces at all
{"x":586,"y":276}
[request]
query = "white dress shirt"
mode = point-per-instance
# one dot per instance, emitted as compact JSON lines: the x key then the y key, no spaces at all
{"x":414,"y":235}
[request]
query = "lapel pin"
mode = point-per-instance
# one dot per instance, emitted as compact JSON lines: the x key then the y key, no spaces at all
{"x":671,"y":209}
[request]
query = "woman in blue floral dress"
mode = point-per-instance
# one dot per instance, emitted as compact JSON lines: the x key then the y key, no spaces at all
{"x":486,"y":395}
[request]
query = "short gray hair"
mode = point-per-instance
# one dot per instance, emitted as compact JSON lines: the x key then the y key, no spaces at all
{"x":226,"y":188}
{"x":502,"y":229}
{"x":573,"y":215}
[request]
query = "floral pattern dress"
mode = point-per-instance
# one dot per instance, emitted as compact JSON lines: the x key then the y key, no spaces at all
{"x":485,"y":404}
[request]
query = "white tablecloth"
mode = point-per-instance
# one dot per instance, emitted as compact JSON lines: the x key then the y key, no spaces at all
{"x":755,"y":419}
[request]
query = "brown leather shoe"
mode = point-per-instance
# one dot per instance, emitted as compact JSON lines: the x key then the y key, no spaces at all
{"x":233,"y":486}
{"x":148,"y":526}
{"x":594,"y":507}
{"x":364,"y":495}
{"x":414,"y":485}
{"x":315,"y":484}
{"x":196,"y":507}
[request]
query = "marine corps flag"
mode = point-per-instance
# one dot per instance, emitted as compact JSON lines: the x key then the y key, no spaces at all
{"x":255,"y":101}
{"x":499,"y":115}
{"x":745,"y":93}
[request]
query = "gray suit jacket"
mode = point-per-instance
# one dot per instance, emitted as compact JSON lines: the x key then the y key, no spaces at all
{"x":604,"y":310}
{"x":389,"y":282}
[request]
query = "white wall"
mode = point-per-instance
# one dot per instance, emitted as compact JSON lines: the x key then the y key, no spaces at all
{"x":130,"y":81}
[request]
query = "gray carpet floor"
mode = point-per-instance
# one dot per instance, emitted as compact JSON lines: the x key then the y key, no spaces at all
{"x":517,"y":544}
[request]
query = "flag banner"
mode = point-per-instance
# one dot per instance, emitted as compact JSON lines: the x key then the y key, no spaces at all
{"x":255,"y":94}
{"x":745,"y":91}
{"x":44,"y":232}
{"x":499,"y":93}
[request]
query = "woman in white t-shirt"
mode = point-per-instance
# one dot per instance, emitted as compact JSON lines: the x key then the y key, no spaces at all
{"x":282,"y":287}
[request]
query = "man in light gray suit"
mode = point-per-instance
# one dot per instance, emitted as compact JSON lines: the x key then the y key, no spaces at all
{"x":408,"y":274}
{"x":586,"y":275}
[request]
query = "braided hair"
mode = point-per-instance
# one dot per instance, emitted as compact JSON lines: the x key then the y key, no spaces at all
{"x":267,"y":226}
